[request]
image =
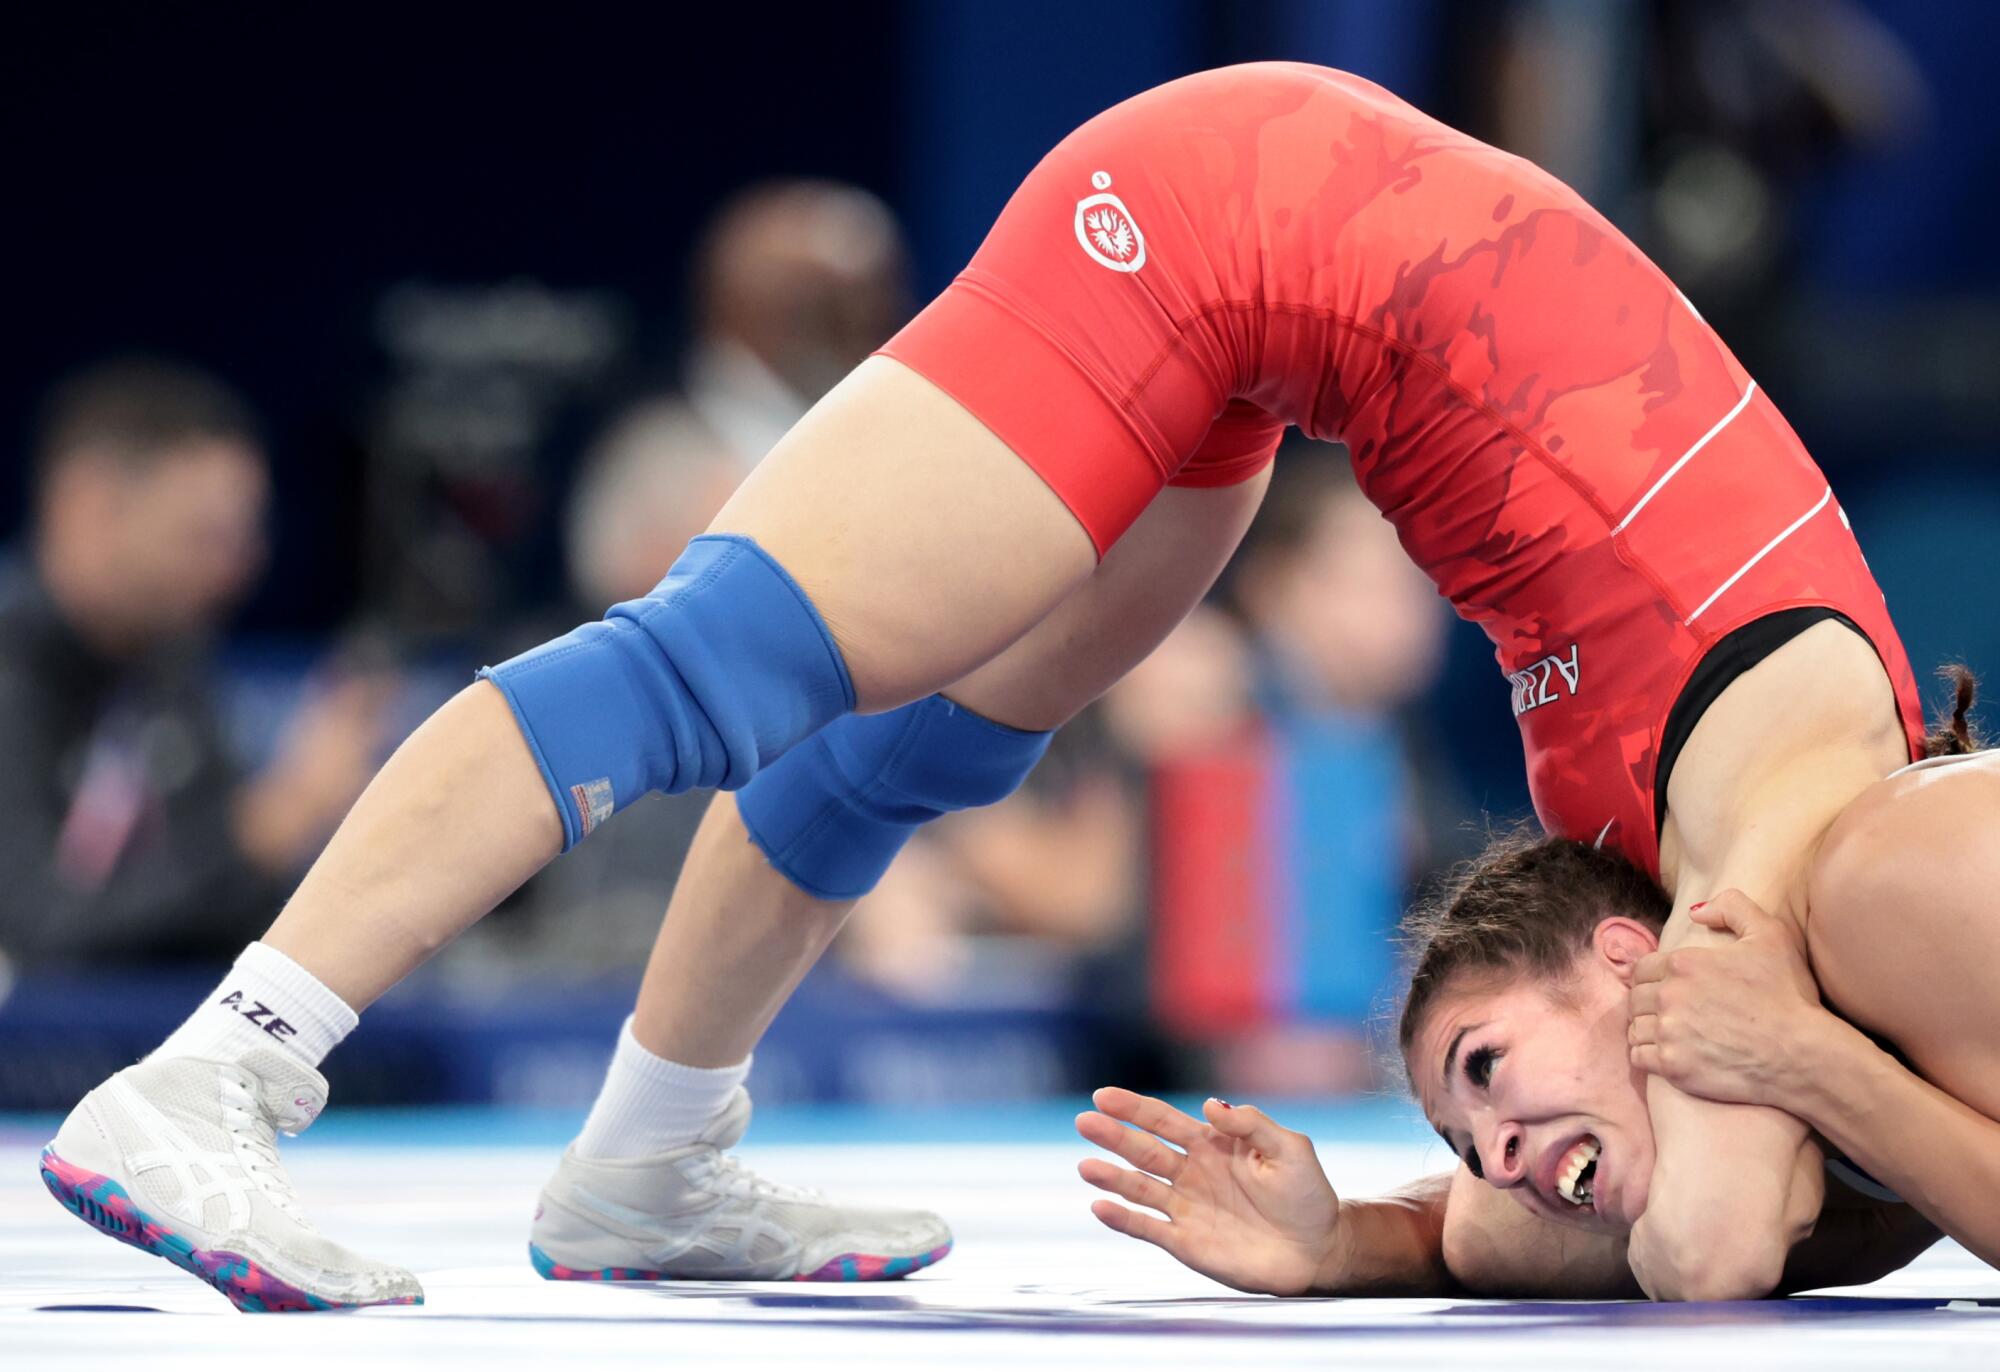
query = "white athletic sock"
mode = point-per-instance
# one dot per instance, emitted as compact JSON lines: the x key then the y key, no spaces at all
{"x":649,"y":1105}
{"x":266,"y":999}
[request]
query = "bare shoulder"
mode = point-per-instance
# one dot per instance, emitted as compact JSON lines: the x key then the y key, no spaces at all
{"x":1904,"y":836}
{"x":1784,"y":750}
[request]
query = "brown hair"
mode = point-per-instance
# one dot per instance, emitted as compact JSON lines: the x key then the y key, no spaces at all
{"x":133,"y":409}
{"x":1526,"y":906}
{"x":1956,"y":734}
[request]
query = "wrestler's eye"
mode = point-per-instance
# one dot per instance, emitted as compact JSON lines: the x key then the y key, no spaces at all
{"x":1479,"y":1066}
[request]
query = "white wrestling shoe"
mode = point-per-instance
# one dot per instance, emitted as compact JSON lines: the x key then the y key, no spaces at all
{"x":180,"y":1158}
{"x":697,"y":1214}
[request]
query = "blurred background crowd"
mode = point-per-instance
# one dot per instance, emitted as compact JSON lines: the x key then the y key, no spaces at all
{"x":354,"y":353}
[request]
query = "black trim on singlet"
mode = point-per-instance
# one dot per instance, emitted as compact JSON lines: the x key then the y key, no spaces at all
{"x":1735,"y":653}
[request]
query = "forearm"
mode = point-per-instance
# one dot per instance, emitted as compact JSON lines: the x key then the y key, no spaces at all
{"x":1494,"y":1247}
{"x":1733,"y":1186}
{"x":1391,"y":1245}
{"x":1454,"y":1235}
{"x":1937,"y":1153}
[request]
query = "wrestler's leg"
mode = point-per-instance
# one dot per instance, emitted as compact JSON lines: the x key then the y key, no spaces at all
{"x":743,"y":929}
{"x":925,"y":545}
{"x":739,"y":935}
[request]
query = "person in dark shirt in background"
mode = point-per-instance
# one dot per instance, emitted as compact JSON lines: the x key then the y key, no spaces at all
{"x":127,"y":832}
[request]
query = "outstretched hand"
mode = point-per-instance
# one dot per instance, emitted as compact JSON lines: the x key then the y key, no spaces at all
{"x":1728,"y":1023}
{"x":1245,"y":1201}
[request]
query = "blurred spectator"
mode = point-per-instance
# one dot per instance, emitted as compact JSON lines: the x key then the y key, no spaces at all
{"x":1283,"y":849}
{"x":127,"y":833}
{"x":1191,"y":696}
{"x":1341,"y":621}
{"x":653,"y":481}
{"x":795,"y":283}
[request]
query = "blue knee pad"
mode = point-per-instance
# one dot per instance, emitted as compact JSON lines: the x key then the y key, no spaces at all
{"x":719,"y":670}
{"x":834,"y":811}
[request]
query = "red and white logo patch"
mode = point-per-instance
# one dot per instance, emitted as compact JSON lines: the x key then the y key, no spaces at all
{"x":1107,"y":230}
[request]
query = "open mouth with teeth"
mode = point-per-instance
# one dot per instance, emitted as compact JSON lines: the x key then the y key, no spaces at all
{"x":1575,"y":1178}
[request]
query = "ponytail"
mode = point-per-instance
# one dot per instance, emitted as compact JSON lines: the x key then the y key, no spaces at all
{"x":1957,"y":734}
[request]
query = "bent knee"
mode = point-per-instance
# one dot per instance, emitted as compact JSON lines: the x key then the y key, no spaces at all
{"x":832,"y":814}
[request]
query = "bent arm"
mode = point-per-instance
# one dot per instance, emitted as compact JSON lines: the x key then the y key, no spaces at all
{"x":1491,"y":1246}
{"x":1783,"y":750}
{"x":1733,"y":1191}
{"x":1391,"y":1245}
{"x":1734,"y":1187}
{"x":1452,"y":1234}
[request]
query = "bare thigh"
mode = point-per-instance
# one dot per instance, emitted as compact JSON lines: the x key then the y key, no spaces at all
{"x":925,"y":543}
{"x":1145,"y":586}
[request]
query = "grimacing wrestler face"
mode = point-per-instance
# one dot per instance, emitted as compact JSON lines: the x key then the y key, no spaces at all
{"x":1529,"y":1077}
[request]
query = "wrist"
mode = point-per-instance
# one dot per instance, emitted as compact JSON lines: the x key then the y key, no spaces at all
{"x":1334,"y":1258}
{"x":1823,"y":1049}
{"x":1389,"y":1245}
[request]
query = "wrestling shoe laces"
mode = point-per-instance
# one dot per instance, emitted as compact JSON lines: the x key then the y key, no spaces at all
{"x":728,"y":1175}
{"x":252,"y":1119}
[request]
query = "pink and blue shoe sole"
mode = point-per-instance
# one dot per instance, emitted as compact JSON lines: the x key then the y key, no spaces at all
{"x":107,"y":1207}
{"x":847,"y":1267}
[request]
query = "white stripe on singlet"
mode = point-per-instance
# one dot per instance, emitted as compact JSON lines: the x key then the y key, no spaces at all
{"x":1674,"y":470}
{"x":1762,"y":553}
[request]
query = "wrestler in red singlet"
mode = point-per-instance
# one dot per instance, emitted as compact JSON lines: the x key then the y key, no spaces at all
{"x":1561,"y":442}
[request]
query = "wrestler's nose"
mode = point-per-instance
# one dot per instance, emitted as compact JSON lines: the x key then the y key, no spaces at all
{"x":1505,"y":1154}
